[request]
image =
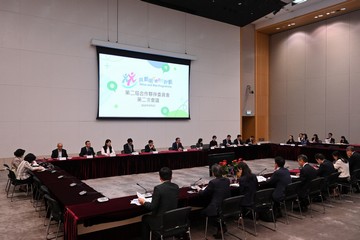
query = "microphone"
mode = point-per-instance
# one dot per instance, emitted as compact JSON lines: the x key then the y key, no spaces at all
{"x":262,"y":171}
{"x":146,"y":191}
{"x":196,"y":182}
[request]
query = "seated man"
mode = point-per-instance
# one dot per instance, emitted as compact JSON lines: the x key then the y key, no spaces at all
{"x":217,"y":190}
{"x":87,"y":150}
{"x":238,"y":141}
{"x":150,"y":146}
{"x":177,"y":146}
{"x":59,"y":152}
{"x":279,"y":180}
{"x":325,"y":169}
{"x":129,"y":146}
{"x":227,"y":141}
{"x":251,"y":140}
{"x":164,"y":198}
{"x":330,"y":139}
{"x":307,"y":173}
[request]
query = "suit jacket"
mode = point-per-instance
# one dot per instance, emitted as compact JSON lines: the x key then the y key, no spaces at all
{"x":176,"y":147}
{"x":279,"y":180}
{"x":148,"y":149}
{"x":354,"y":162}
{"x":217,"y":190}
{"x":128,"y":148}
{"x":325,"y":169}
{"x":307,"y":173}
{"x":213,"y":143}
{"x":225,"y":142}
{"x":84,"y":151}
{"x":55,"y":153}
{"x":248,"y":187}
{"x":164,"y":198}
{"x":237,"y":142}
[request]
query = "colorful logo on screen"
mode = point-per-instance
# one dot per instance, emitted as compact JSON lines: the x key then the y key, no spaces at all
{"x":129,"y":80}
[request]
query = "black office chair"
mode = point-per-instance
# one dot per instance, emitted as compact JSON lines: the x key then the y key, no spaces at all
{"x":15,"y":182}
{"x":263,"y":202}
{"x":291,"y":196}
{"x":56,"y":214}
{"x":331,"y":183}
{"x":8,"y":183}
{"x":355,"y":178}
{"x":173,"y":223}
{"x":193,"y":146}
{"x":142,"y":150}
{"x":230,"y":207}
{"x":315,"y":191}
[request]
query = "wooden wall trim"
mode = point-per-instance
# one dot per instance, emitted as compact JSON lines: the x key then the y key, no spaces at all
{"x":262,"y":86}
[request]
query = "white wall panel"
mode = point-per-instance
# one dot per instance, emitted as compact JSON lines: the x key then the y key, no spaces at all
{"x":48,"y":89}
{"x":322,"y":73}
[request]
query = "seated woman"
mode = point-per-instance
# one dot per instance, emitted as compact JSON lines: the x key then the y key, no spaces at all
{"x":342,"y":166}
{"x":343,"y":140}
{"x":247,"y":184}
{"x":315,"y":139}
{"x":199,"y":143}
{"x":107,"y":149}
{"x":290,"y":140}
{"x":22,"y":172}
{"x":19,"y":153}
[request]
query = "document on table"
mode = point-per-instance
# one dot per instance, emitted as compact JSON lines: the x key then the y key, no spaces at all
{"x":136,"y":200}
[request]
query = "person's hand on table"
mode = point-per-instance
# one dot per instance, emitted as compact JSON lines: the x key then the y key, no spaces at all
{"x":141,"y":201}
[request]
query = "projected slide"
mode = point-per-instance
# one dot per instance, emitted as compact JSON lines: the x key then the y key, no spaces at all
{"x":141,"y":88}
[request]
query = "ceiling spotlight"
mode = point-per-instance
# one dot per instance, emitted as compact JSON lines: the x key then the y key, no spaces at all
{"x":343,"y":9}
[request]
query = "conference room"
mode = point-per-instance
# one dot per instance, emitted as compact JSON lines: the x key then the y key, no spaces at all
{"x":63,"y":62}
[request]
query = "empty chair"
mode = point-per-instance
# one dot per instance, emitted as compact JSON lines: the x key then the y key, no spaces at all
{"x":8,"y":183}
{"x":291,"y":196}
{"x":56,"y":214}
{"x":230,"y":207}
{"x":263,"y":202}
{"x":315,"y":187}
{"x":173,"y":223}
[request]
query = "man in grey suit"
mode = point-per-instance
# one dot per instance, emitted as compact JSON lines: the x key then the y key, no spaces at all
{"x":164,"y":198}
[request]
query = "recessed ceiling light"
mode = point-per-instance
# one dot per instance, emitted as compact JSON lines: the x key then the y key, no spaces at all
{"x":343,"y":9}
{"x":277,"y":28}
{"x":321,"y":15}
{"x":328,"y":13}
{"x":316,"y":17}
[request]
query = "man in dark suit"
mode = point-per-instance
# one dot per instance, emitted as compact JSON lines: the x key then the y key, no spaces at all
{"x":325,"y":169}
{"x":59,"y":152}
{"x":279,"y":180}
{"x":354,"y":158}
{"x":177,"y":146}
{"x":227,"y":141}
{"x":150,"y":146}
{"x":87,"y":150}
{"x":354,"y":163}
{"x":129,"y":146}
{"x":307,"y":173}
{"x":238,"y":141}
{"x":217,"y":190}
{"x":164,"y":198}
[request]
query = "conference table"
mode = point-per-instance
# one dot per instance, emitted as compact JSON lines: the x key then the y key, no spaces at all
{"x":85,"y":214}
